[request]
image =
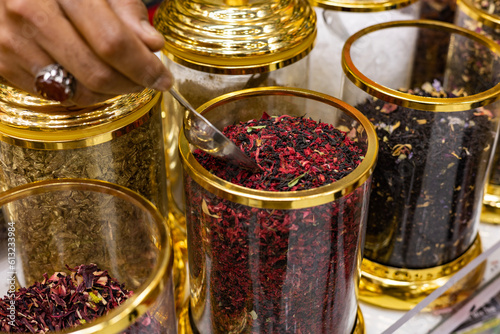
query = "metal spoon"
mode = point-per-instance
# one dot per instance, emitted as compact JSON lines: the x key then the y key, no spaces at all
{"x":204,"y":135}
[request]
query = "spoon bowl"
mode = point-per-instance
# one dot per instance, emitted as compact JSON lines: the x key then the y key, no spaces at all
{"x":205,"y":136}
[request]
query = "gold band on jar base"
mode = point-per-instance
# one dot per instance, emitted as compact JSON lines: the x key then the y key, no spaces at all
{"x":185,"y":327}
{"x":491,"y":205}
{"x":177,"y":222}
{"x":402,"y":289}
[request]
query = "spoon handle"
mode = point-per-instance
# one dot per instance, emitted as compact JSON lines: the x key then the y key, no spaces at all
{"x":182,"y":100}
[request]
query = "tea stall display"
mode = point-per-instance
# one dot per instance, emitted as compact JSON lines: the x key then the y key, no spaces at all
{"x":214,"y":47}
{"x":484,"y":17}
{"x":86,"y":256}
{"x":337,"y":20}
{"x":278,"y":250}
{"x":436,"y":139}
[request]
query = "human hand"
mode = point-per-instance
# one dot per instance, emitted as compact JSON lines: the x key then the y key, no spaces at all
{"x":107,"y":45}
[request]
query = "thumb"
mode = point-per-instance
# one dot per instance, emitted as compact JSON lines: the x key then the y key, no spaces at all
{"x":134,"y":14}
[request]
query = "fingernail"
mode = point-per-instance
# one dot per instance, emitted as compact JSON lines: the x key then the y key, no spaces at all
{"x":147,"y":27}
{"x":162,"y":83}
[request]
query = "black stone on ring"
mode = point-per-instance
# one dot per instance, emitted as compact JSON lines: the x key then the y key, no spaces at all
{"x":53,"y":82}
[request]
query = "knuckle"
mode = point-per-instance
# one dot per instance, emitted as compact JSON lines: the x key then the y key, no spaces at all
{"x":18,"y":7}
{"x":111,"y":44}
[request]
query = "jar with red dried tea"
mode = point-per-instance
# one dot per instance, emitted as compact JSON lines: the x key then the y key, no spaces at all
{"x":99,"y":253}
{"x":214,"y":47}
{"x":279,"y":250}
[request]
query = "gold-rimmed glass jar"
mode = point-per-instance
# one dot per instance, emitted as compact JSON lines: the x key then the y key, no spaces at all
{"x":280,"y":253}
{"x":484,"y":17}
{"x":337,"y":20}
{"x":213,"y":47}
{"x":436,"y":137}
{"x":119,"y":141}
{"x":72,"y":222}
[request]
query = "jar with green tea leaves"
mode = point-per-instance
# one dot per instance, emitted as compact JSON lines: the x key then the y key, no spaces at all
{"x":119,"y":141}
{"x":85,"y":256}
{"x":278,"y":251}
{"x":436,"y":132}
{"x":215,"y":47}
{"x":484,"y":17}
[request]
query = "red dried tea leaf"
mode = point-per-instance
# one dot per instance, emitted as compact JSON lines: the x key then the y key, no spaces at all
{"x":65,"y":301}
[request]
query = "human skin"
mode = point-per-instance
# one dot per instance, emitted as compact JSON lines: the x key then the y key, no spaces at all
{"x":108,"y":46}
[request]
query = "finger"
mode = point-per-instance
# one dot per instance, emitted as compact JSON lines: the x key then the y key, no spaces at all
{"x":21,"y":78}
{"x":135,"y":15}
{"x":17,"y":77}
{"x":51,"y":31}
{"x":20,"y":60}
{"x":116,"y":43}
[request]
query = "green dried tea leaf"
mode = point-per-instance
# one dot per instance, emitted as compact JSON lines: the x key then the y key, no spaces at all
{"x":204,"y":207}
{"x":255,"y":127}
{"x":296,"y":180}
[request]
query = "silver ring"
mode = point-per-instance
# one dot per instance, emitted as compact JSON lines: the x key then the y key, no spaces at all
{"x":53,"y":82}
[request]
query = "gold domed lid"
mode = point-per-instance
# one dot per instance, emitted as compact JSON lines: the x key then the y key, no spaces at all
{"x":29,"y":121}
{"x":362,"y":5}
{"x":236,"y":36}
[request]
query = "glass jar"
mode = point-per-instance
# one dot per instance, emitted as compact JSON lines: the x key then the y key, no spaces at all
{"x":484,"y":17}
{"x":54,"y":225}
{"x":214,"y":47}
{"x":119,"y":141}
{"x":287,"y":261}
{"x":436,"y":137}
{"x":337,"y":20}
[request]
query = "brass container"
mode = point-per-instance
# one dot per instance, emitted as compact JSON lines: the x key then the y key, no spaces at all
{"x":235,"y":285}
{"x":119,"y":141}
{"x":478,"y":17}
{"x":214,"y":47}
{"x":433,"y":159}
{"x":70,"y":222}
{"x":337,"y":20}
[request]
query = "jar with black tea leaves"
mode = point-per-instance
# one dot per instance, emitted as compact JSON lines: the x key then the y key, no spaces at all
{"x":436,"y":133}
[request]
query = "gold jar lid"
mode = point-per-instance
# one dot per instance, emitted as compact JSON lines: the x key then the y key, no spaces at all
{"x":362,"y":5}
{"x":32,"y":122}
{"x":236,"y":36}
{"x":479,"y":14}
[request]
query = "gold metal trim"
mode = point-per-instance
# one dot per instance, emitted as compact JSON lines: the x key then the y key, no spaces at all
{"x":490,"y":210}
{"x":63,"y":139}
{"x":362,"y":6}
{"x":489,"y":20}
{"x":402,"y":289}
{"x":122,"y":317}
{"x":239,"y":66}
{"x":490,"y":214}
{"x":409,"y":100}
{"x":291,"y":199}
{"x":225,"y":38}
{"x":184,"y":326}
{"x":359,"y":328}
